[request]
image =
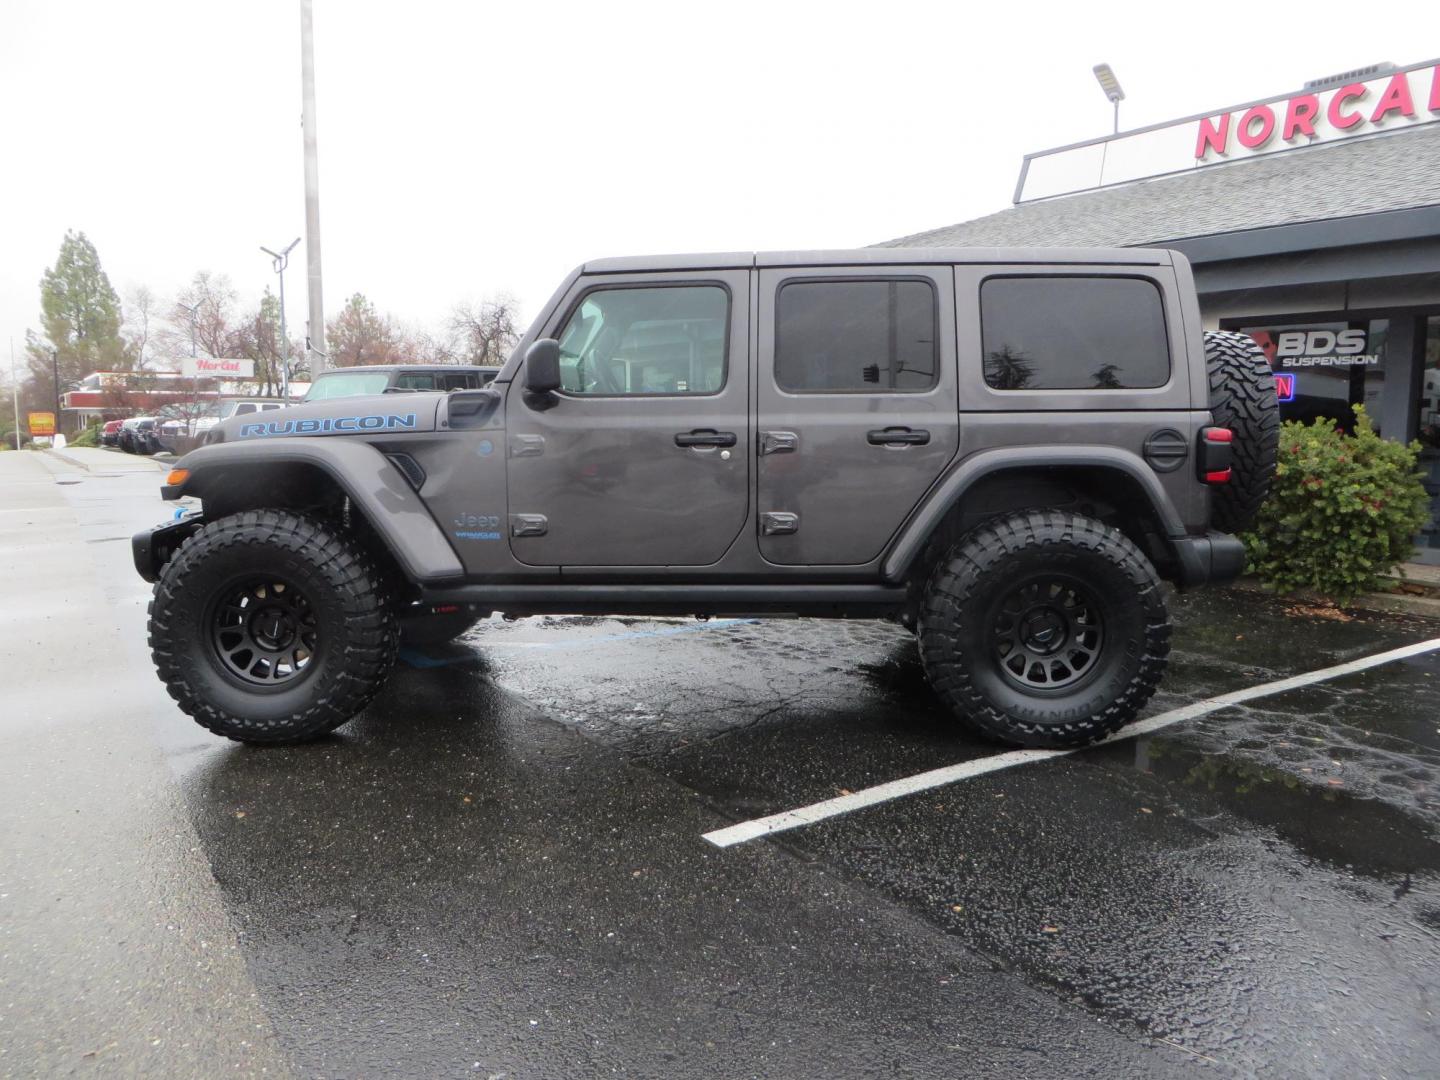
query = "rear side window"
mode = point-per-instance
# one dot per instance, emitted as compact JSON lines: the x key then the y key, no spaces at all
{"x":1073,"y":333}
{"x":867,"y":336}
{"x":415,"y":381}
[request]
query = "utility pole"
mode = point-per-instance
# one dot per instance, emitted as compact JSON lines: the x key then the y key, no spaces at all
{"x":195,"y":378}
{"x":15,"y":391}
{"x":315,"y":339}
{"x":282,"y":260}
{"x":55,"y":368}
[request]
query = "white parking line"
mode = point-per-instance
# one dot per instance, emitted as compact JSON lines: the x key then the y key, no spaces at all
{"x":807,"y":815}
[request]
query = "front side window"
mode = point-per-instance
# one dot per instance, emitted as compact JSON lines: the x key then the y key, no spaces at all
{"x":867,"y":336}
{"x":656,"y":340}
{"x":1073,"y":333}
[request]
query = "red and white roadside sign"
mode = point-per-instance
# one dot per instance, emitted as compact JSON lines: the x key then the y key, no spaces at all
{"x":211,"y":367}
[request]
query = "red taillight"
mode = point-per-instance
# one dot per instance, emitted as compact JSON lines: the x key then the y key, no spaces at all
{"x":1219,"y":435}
{"x":1218,"y":476}
{"x":444,"y":609}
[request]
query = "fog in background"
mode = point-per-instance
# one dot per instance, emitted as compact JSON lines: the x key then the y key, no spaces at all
{"x":469,"y":149}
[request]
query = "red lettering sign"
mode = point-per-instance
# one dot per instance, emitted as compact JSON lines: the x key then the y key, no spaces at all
{"x":1212,"y":137}
{"x":1300,"y":115}
{"x":1396,"y":98}
{"x":1435,"y":90}
{"x":1340,"y":119}
{"x":1256,"y":127}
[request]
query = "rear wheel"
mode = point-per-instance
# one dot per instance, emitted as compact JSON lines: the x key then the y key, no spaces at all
{"x":1044,"y":629}
{"x":267,"y":627}
{"x":1242,"y":398}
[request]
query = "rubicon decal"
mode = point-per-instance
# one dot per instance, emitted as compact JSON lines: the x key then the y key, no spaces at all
{"x":374,"y":422}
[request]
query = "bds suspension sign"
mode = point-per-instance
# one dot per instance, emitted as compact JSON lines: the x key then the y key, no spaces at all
{"x":41,"y":423}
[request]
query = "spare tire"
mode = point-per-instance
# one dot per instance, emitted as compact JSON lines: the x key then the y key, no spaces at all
{"x":1242,"y":398}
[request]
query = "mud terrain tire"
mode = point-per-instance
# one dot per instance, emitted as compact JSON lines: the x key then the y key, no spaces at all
{"x":1242,"y":398}
{"x":268,"y":627}
{"x":1044,"y":629}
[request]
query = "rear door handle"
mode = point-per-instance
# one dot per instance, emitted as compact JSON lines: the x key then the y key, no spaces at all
{"x":705,"y":437}
{"x":897,"y":436}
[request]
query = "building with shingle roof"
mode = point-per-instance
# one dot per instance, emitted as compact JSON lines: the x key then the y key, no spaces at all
{"x":1305,"y":217}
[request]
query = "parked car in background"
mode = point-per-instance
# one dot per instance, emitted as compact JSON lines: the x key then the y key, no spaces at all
{"x":135,"y":434}
{"x":185,"y":429}
{"x":398,"y":379}
{"x":110,"y":433}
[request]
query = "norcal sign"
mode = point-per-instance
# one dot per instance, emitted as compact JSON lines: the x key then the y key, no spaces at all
{"x":1357,"y":108}
{"x":1363,"y":103}
{"x":210,"y":367}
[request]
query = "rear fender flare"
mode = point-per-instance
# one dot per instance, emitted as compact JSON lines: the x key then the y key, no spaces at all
{"x":361,"y":471}
{"x":952,"y":488}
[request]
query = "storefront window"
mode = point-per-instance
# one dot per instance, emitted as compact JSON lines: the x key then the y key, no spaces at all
{"x":1428,"y":426}
{"x":1323,"y":368}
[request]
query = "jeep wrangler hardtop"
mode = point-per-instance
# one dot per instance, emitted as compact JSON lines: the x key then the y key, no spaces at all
{"x":1005,"y":451}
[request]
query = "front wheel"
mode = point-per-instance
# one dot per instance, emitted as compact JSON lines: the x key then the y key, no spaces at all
{"x":1044,"y":629}
{"x":268,"y":627}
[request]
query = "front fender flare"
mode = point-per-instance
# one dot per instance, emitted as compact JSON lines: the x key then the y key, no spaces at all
{"x":361,"y":471}
{"x":952,"y":487}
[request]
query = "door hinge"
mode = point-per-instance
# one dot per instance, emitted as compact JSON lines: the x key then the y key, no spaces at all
{"x":778,"y":442}
{"x":529,"y":525}
{"x":778,"y":523}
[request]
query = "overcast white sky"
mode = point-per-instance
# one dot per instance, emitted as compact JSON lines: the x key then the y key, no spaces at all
{"x":468,"y":148}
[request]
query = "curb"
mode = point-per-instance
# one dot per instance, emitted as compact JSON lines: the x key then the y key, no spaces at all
{"x":1394,"y":603}
{"x":78,"y":464}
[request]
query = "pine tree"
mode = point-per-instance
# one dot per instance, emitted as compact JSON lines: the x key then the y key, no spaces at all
{"x":80,"y":318}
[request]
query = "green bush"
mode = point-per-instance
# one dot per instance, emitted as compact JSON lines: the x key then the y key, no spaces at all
{"x":89,"y":437}
{"x":1344,"y":509}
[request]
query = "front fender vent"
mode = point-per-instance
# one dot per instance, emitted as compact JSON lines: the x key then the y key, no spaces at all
{"x":409,"y":468}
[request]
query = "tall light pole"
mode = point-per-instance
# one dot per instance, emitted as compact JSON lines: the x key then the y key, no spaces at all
{"x":194,"y":310}
{"x":1111,"y":85}
{"x":280,"y":260}
{"x":315,"y":339}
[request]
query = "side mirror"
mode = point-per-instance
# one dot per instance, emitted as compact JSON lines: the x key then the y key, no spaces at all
{"x":542,"y":366}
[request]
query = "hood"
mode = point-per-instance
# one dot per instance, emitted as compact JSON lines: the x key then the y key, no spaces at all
{"x":373,"y":415}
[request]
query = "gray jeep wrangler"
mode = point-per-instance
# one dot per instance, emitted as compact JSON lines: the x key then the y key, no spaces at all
{"x":1005,"y":451}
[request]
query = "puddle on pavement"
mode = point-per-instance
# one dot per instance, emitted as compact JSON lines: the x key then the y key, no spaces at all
{"x":1325,"y":823}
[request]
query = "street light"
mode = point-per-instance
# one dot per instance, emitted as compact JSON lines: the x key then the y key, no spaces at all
{"x":280,"y":260}
{"x":1111,"y":85}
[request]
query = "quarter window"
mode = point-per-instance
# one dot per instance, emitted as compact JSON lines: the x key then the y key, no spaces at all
{"x":865,"y":336}
{"x":667,"y":339}
{"x":1073,"y":333}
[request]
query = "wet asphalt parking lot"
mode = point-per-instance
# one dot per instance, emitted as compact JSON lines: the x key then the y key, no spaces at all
{"x":501,"y":868}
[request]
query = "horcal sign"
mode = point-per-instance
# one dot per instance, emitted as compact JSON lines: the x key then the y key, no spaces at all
{"x":1365,"y":102}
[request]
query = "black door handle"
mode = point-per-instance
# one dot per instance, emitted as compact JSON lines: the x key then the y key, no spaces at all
{"x":705,"y":437}
{"x":897,"y":436}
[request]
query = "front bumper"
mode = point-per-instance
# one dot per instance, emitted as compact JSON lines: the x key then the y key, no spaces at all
{"x":151,"y":548}
{"x":1213,"y":559}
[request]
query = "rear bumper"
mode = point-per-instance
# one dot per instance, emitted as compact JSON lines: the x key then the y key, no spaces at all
{"x":1212,"y":559}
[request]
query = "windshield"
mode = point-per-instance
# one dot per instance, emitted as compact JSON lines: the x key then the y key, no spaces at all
{"x":341,"y":384}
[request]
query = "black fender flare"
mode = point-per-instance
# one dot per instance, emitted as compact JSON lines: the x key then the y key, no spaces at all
{"x":951,"y":488}
{"x":375,"y":486}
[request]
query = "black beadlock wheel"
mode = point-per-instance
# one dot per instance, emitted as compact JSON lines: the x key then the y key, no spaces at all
{"x":1044,"y":629}
{"x":268,"y":627}
{"x":1242,"y":398}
